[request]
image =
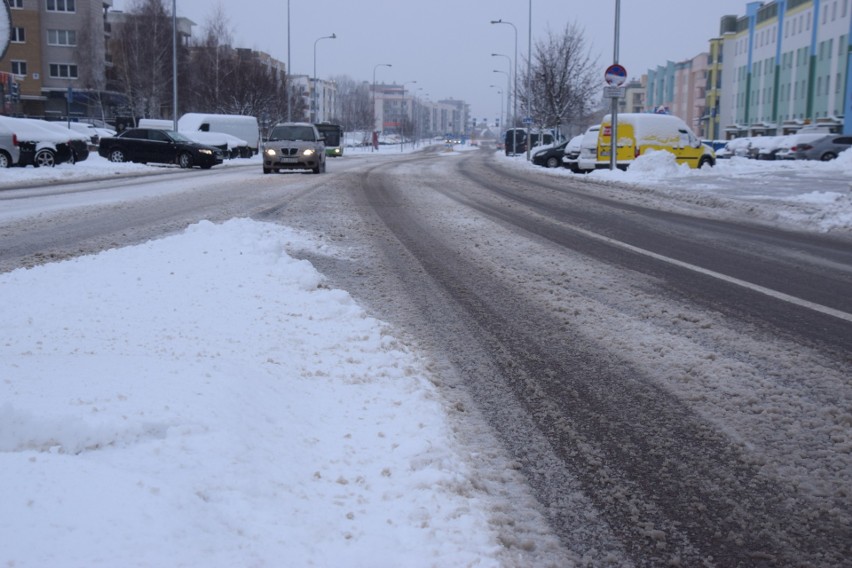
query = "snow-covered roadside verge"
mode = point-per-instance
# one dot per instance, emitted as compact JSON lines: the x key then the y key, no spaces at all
{"x":206,"y":399}
{"x":799,"y":195}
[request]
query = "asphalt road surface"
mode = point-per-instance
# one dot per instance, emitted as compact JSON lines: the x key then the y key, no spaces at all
{"x":675,"y":388}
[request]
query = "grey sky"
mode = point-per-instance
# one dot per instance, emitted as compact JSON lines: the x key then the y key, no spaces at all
{"x":446,"y":45}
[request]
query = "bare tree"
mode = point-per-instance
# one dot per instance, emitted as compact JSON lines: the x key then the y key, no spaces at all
{"x":564,"y":78}
{"x":354,"y":104}
{"x":142,"y":58}
{"x":213,"y":62}
{"x":92,"y":77}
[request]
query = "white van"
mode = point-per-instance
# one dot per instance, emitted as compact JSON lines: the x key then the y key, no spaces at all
{"x":232,"y":146}
{"x":238,"y":125}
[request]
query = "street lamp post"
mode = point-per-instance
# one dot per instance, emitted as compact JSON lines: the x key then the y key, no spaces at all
{"x":289,"y":71}
{"x":314,"y":97}
{"x":174,"y":65}
{"x":510,"y":95}
{"x":500,"y":92}
{"x":515,"y":74}
{"x":529,"y":77}
{"x":374,"y":91}
{"x":508,"y":90}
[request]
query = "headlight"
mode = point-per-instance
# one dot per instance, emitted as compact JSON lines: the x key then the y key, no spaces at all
{"x":337,"y":150}
{"x":205,"y":151}
{"x":308,"y":152}
{"x":269,"y":151}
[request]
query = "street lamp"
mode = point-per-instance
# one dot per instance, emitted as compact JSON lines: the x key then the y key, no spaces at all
{"x":374,"y":91}
{"x":508,"y":88}
{"x":289,"y":70}
{"x":501,"y":102}
{"x":314,"y":97}
{"x":174,"y":66}
{"x":515,"y":74}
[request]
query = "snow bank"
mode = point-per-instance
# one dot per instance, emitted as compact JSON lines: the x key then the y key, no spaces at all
{"x":205,"y":400}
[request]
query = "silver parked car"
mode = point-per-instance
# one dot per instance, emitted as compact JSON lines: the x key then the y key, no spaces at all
{"x":10,"y":151}
{"x":824,"y":148}
{"x":294,"y":146}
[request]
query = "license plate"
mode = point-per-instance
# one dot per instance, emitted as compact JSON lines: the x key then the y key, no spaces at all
{"x":288,"y":160}
{"x":605,"y":153}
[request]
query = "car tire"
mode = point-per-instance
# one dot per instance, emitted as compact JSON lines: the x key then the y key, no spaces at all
{"x":828,"y":156}
{"x":552,"y":162}
{"x":117,"y":156}
{"x":44,"y":158}
{"x":267,"y":170}
{"x":185,"y":160}
{"x":705,"y":161}
{"x":5,"y":160}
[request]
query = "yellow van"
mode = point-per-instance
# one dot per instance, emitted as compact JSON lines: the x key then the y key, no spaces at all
{"x":640,"y":132}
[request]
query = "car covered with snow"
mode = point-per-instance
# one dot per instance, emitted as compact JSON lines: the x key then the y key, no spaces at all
{"x":639,"y":133}
{"x":37,"y":144}
{"x":588,"y":155}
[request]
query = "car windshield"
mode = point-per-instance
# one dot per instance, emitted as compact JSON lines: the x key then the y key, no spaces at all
{"x":292,"y":132}
{"x":178,"y":137}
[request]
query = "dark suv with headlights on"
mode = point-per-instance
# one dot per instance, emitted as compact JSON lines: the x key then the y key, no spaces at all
{"x":294,"y":146}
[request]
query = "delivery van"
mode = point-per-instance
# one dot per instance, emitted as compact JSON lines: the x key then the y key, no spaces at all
{"x":639,"y":133}
{"x":238,"y":125}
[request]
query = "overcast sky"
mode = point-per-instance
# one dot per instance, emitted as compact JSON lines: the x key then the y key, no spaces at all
{"x":446,"y":45}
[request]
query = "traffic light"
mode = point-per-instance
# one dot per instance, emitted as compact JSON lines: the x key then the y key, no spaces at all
{"x":16,"y":92}
{"x":497,"y":122}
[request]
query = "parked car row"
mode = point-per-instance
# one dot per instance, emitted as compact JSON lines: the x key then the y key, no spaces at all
{"x":638,"y":134}
{"x":39,"y":143}
{"x":821,"y":146}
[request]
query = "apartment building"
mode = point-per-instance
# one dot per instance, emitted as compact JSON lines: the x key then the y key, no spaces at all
{"x":780,"y":66}
{"x":57,"y":57}
{"x":398,"y":108}
{"x":787,"y":64}
{"x":680,"y":89}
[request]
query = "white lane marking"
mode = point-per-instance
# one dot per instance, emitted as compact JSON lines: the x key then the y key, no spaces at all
{"x":725,"y":278}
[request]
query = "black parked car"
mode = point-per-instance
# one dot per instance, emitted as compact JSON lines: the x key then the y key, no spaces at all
{"x":550,"y":157}
{"x":159,"y":146}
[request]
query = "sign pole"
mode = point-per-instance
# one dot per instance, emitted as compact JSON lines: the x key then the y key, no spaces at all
{"x":614,"y":137}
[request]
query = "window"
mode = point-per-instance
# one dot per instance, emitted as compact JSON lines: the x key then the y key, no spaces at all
{"x":63,"y":71}
{"x":19,"y":67}
{"x":16,"y":4}
{"x":62,"y":37}
{"x":837,"y":84}
{"x":61,"y":6}
{"x":19,"y":35}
